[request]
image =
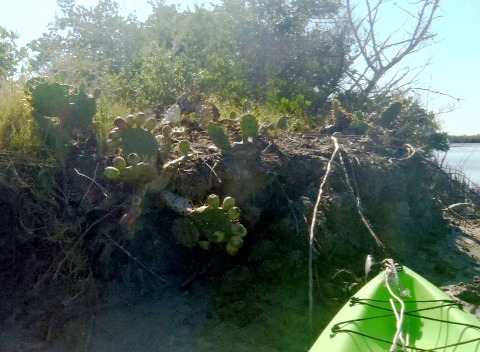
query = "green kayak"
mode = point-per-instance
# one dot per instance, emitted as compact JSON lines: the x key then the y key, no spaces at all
{"x":408,"y":314}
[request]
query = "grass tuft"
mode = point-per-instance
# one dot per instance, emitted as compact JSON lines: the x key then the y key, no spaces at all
{"x":17,"y":129}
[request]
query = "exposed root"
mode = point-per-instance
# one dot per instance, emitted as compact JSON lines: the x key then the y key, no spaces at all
{"x":312,"y":227}
{"x":359,"y":205}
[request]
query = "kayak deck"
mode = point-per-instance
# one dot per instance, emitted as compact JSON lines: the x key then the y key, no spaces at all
{"x":431,"y":322}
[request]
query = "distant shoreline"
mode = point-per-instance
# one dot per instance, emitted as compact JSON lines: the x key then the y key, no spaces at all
{"x":464,"y":139}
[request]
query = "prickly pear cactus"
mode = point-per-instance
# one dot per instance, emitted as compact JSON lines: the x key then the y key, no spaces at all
{"x":132,"y":135}
{"x":48,"y":99}
{"x":249,"y":126}
{"x":53,"y":99}
{"x":218,"y":136}
{"x":131,"y":170}
{"x":139,"y":148}
{"x":141,"y":142}
{"x":219,"y":224}
{"x":81,"y":112}
{"x":74,"y":112}
{"x":215,"y":224}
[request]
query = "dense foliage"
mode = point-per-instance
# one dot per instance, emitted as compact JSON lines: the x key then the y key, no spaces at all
{"x":288,"y":56}
{"x":10,"y":54}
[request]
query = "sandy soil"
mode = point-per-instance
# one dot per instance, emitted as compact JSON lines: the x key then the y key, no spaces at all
{"x":464,"y":258}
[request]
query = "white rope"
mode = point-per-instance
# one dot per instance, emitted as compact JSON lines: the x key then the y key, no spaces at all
{"x":391,"y":272}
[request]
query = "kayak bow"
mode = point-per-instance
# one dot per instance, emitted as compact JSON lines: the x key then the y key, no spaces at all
{"x":373,"y":320}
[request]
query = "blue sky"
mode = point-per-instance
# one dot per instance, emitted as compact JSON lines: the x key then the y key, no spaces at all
{"x":453,"y":69}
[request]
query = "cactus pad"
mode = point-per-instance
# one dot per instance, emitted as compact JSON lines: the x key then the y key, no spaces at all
{"x":218,"y":136}
{"x":249,"y":126}
{"x":141,"y":142}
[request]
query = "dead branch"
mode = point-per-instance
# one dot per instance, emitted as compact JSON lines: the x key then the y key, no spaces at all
{"x":437,"y":92}
{"x":92,"y":180}
{"x":380,"y":56}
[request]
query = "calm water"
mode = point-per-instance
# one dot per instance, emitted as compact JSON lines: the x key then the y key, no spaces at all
{"x":466,"y":158}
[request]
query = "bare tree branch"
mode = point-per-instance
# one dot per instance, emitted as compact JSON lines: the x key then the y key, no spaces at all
{"x":380,"y":56}
{"x":437,"y":92}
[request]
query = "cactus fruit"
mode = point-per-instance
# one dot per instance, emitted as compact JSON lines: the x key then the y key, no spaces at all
{"x":249,"y":126}
{"x":167,"y":130}
{"x":236,"y":241}
{"x":218,"y":136}
{"x":217,"y":224}
{"x":139,"y":173}
{"x":112,"y":173}
{"x":140,"y":119}
{"x":139,"y":147}
{"x":120,"y":123}
{"x":130,"y":120}
{"x":113,"y":143}
{"x":228,"y":202}
{"x":119,"y":163}
{"x":233,"y":213}
{"x":133,"y":159}
{"x":151,"y":123}
{"x":214,"y":201}
{"x":115,"y":133}
{"x":211,"y":221}
{"x":239,"y":230}
{"x":218,"y":236}
{"x":231,"y":249}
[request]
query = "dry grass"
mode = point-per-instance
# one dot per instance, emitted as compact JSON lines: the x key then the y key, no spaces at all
{"x":107,"y":111}
{"x":17,"y":129}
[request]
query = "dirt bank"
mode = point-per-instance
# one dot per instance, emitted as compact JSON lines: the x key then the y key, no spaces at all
{"x":78,"y":281}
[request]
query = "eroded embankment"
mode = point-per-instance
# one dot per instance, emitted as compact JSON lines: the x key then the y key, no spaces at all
{"x":142,"y":289}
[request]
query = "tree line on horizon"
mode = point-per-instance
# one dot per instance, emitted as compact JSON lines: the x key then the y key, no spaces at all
{"x":474,"y":138}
